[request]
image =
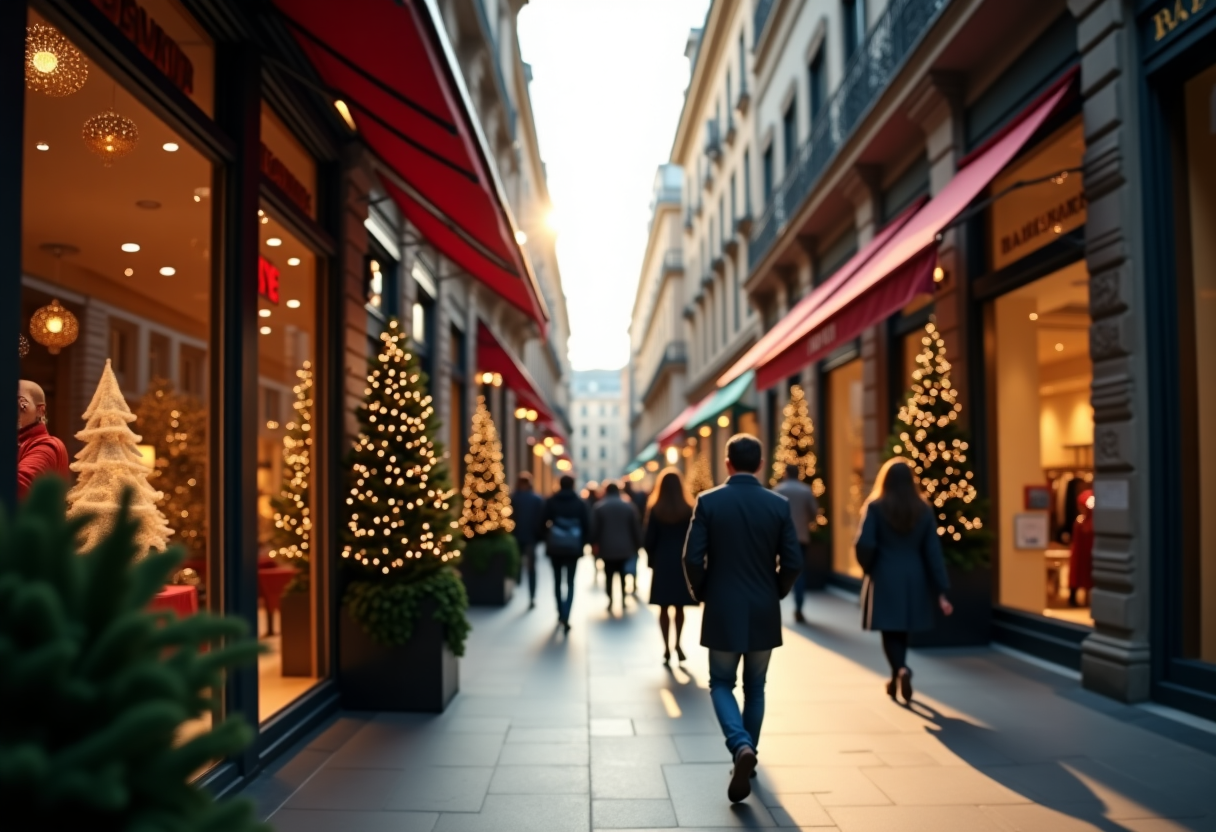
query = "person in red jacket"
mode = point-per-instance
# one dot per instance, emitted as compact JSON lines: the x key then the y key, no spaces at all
{"x":1081,"y":553}
{"x":37,"y":451}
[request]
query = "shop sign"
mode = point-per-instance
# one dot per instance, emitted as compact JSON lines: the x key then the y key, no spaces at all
{"x":1055,"y":220}
{"x":268,"y":280}
{"x":149,"y":38}
{"x":277,"y":172}
{"x":1164,"y":23}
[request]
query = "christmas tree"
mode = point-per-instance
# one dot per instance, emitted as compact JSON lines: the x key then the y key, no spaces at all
{"x":109,"y":462}
{"x":927,"y":434}
{"x":797,"y":447}
{"x":400,"y":529}
{"x":487,"y":505}
{"x":175,"y":425}
{"x":289,"y":541}
{"x":699,"y":478}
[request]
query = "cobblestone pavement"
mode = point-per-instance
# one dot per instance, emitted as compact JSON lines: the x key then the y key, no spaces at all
{"x":564,"y":734}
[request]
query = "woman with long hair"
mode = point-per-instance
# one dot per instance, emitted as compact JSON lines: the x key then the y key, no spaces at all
{"x":668,"y":513}
{"x":898,"y":548}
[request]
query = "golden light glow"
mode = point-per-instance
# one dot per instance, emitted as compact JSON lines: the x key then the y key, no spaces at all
{"x":292,"y":513}
{"x":1034,"y":316}
{"x":553,"y":220}
{"x":521,"y":413}
{"x":54,"y":327}
{"x":538,"y":450}
{"x":673,"y":455}
{"x":557,"y":449}
{"x":110,"y":136}
{"x":487,"y":505}
{"x":705,"y":431}
{"x":520,"y":236}
{"x":564,"y":465}
{"x":549,"y":441}
{"x":652,"y":466}
{"x":797,"y":447}
{"x":532,"y":415}
{"x":344,"y":111}
{"x":723,"y":421}
{"x":53,"y":66}
{"x":939,"y":274}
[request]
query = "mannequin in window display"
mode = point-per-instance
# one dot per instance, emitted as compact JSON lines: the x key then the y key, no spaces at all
{"x":37,"y":451}
{"x":1081,"y":551}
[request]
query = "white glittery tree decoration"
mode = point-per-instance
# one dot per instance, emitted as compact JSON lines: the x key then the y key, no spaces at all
{"x":109,"y":462}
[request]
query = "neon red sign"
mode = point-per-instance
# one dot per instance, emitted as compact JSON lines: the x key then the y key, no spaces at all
{"x":268,"y":280}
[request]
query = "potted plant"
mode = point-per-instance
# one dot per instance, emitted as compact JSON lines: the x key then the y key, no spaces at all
{"x":491,"y":555}
{"x":95,"y":688}
{"x":402,"y":624}
{"x":927,"y":433}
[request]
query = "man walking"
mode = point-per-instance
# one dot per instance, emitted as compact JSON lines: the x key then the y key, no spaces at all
{"x":527,"y":509}
{"x":741,"y":558}
{"x":568,"y":527}
{"x":616,"y":534}
{"x":804,"y":508}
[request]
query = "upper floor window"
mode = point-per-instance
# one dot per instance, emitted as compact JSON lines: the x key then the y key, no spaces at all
{"x":789,"y":132}
{"x":734,"y":205}
{"x":742,"y":65}
{"x":747,"y":182}
{"x":817,"y":82}
{"x":582,"y":411}
{"x":766,"y":174}
{"x":853,"y":18}
{"x":583,"y":431}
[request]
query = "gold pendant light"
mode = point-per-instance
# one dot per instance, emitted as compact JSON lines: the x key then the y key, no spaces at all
{"x":110,"y":136}
{"x":54,"y":327}
{"x":52,"y":65}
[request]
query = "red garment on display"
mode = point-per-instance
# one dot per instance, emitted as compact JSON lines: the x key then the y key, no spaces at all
{"x":181,"y":599}
{"x":1081,"y":552}
{"x":38,"y":453}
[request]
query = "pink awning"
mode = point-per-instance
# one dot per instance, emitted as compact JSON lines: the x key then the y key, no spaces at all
{"x":668,"y":435}
{"x":904,"y":266}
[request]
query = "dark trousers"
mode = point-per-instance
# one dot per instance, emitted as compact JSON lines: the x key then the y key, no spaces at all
{"x":895,"y":645}
{"x":614,"y":569}
{"x":800,"y":581}
{"x":568,"y":566}
{"x":527,"y":557}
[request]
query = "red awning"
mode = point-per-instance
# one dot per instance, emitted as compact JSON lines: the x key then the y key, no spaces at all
{"x":668,"y":435}
{"x":904,"y":267}
{"x":817,"y":296}
{"x":391,"y":64}
{"x":492,"y":357}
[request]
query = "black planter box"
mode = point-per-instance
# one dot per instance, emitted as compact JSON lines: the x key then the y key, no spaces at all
{"x":818,"y":564}
{"x":421,"y":676}
{"x":295,"y":627}
{"x":490,"y":588}
{"x":971,"y":625}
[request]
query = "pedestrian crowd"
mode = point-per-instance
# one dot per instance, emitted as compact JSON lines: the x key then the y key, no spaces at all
{"x":738,"y":550}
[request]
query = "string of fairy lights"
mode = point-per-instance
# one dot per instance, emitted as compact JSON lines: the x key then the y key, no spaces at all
{"x":292,"y":517}
{"x":400,"y":508}
{"x":796,"y":446}
{"x":487,"y":505}
{"x":941,"y":464}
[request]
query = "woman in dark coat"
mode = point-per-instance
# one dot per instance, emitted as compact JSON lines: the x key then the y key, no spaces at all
{"x":899,"y":550}
{"x":668,"y":513}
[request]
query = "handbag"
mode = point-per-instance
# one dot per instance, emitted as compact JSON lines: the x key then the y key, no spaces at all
{"x":565,"y":538}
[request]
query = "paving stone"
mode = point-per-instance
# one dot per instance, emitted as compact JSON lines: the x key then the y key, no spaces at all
{"x":545,"y":754}
{"x":831,"y":785}
{"x":522,"y":813}
{"x":941,"y":786}
{"x":442,"y":789}
{"x":632,"y":814}
{"x":660,"y":749}
{"x":698,"y":793}
{"x":628,"y":780}
{"x":913,"y":819}
{"x":299,"y":820}
{"x":604,"y":727}
{"x":801,"y":810}
{"x":541,"y":780}
{"x":548,"y":735}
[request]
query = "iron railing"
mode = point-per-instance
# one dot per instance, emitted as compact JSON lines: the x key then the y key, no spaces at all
{"x":869,"y":71}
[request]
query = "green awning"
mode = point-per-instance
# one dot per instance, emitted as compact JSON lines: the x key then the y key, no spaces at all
{"x":648,"y":454}
{"x":725,"y":398}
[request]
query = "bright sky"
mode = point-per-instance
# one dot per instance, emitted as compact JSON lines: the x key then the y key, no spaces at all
{"x":608,"y":84}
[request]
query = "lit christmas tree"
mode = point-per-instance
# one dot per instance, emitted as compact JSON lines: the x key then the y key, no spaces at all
{"x":400,"y":530}
{"x":289,"y":541}
{"x":487,"y":504}
{"x":109,"y":462}
{"x":175,"y":425}
{"x":797,"y":447}
{"x":927,"y":434}
{"x":699,"y":477}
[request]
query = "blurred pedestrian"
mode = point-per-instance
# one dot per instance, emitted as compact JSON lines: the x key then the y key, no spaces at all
{"x":528,"y":511}
{"x":638,"y":498}
{"x":905,"y":574}
{"x":591,"y":496}
{"x":568,"y":531}
{"x":667,"y":517}
{"x":740,"y":559}
{"x":616,"y":536}
{"x":804,"y":508}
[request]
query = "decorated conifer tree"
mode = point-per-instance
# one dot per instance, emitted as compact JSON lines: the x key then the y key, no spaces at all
{"x":175,"y":425}
{"x":796,"y":446}
{"x":292,"y":534}
{"x":486,"y":514}
{"x":109,"y":462}
{"x":699,"y":477}
{"x":401,"y":534}
{"x":928,"y":435}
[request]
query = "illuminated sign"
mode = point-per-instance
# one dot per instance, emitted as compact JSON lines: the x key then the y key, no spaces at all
{"x":149,"y":38}
{"x":268,"y":280}
{"x":277,"y":172}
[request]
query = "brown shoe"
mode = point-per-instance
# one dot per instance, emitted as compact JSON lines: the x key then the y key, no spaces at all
{"x":891,"y":688}
{"x":905,"y":685}
{"x":741,"y":775}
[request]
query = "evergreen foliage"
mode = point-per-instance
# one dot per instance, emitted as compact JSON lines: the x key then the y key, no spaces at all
{"x":94,"y":688}
{"x":796,"y":446}
{"x":486,"y":513}
{"x":480,"y":552}
{"x":926,"y":432}
{"x":400,"y":536}
{"x":292,"y":533}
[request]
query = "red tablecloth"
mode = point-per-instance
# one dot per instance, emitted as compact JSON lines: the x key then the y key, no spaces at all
{"x":271,"y":583}
{"x":181,"y":599}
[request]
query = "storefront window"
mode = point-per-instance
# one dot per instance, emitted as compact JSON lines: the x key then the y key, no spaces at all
{"x":289,"y":563}
{"x":1200,"y":593}
{"x":846,"y":463}
{"x":116,"y":230}
{"x":1044,"y":431}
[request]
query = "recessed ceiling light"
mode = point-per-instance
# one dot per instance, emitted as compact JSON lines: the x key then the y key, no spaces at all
{"x":130,"y":248}
{"x":170,"y":147}
{"x":1034,"y":316}
{"x":293,"y":304}
{"x":274,"y":242}
{"x":265,"y":330}
{"x":42,"y":146}
{"x":198,"y":198}
{"x":128,"y":272}
{"x":168,"y":271}
{"x":1059,"y":348}
{"x":293,"y":261}
{"x":263,"y":313}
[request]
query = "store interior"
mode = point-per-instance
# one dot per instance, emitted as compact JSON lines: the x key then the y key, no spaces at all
{"x":846,"y":463}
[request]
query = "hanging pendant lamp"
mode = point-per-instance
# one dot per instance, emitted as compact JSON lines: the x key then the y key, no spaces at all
{"x":53,"y":66}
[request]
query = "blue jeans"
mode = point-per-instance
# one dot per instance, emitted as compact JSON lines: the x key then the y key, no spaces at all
{"x":799,"y":590}
{"x":568,"y":565}
{"x":740,"y":729}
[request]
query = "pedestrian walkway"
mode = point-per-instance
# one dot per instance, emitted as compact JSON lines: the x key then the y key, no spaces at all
{"x":555,"y":733}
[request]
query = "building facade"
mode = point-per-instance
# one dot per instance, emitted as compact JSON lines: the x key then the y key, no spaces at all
{"x":599,"y":415}
{"x":250,"y":208}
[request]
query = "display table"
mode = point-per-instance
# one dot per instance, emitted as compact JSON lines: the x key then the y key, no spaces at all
{"x":271,"y":583}
{"x":181,"y":599}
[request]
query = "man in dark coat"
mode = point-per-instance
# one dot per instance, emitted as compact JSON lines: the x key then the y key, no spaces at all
{"x":804,"y":508}
{"x":616,"y":534}
{"x":741,"y":558}
{"x":568,"y":525}
{"x":527,"y":509}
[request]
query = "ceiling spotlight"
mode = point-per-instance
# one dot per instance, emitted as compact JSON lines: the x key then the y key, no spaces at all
{"x":1059,"y":348}
{"x":263,"y":313}
{"x":274,"y":242}
{"x":1034,"y":316}
{"x":130,"y":248}
{"x":293,"y":261}
{"x":293,"y":304}
{"x":168,"y":271}
{"x":198,"y":198}
{"x":344,"y":111}
{"x":169,"y":147}
{"x":265,"y":330}
{"x":128,"y":272}
{"x":42,"y":146}
{"x":520,"y":236}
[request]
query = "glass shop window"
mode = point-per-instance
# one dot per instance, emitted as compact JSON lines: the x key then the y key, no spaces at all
{"x":846,"y":463}
{"x":116,"y":284}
